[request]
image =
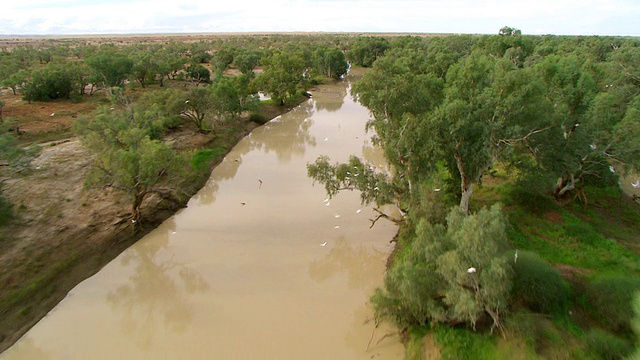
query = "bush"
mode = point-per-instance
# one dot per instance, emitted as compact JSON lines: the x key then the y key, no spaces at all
{"x":538,"y":285}
{"x":610,"y":299}
{"x":606,"y":346}
{"x":258,"y":118}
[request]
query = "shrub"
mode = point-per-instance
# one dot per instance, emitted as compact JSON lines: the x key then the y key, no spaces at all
{"x":538,"y":285}
{"x":610,"y":299}
{"x":258,"y":118}
{"x":607,"y":346}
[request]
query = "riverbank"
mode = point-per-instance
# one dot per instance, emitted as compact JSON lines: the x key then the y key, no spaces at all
{"x":63,"y":233}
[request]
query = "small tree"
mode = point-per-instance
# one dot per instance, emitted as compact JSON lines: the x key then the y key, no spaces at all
{"x":453,"y":274}
{"x":110,"y":67}
{"x":129,"y":160}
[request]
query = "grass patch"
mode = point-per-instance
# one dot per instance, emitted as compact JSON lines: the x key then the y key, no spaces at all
{"x":610,"y":298}
{"x":414,"y":347}
{"x":538,"y":285}
{"x":603,"y":345}
{"x":202,"y":159}
{"x":463,"y":344}
{"x":39,"y":288}
{"x":566,"y":238}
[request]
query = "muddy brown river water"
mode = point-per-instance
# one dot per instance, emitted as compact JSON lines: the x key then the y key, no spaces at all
{"x":257,"y":266}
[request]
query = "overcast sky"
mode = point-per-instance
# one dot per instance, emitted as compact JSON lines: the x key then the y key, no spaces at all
{"x":562,"y":17}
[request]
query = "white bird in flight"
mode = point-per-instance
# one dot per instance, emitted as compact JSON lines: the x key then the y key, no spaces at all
{"x":636,"y":184}
{"x":323,"y":244}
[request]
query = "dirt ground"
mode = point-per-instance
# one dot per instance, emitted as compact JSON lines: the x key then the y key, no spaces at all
{"x":63,"y":233}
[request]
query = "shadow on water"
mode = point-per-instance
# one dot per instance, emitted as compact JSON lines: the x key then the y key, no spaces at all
{"x":154,"y":298}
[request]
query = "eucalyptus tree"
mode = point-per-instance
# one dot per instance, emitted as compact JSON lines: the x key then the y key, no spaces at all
{"x":364,"y":50}
{"x":283,"y":73}
{"x":168,"y":64}
{"x":592,"y":124}
{"x":329,"y":61}
{"x":247,"y":60}
{"x":129,"y":157}
{"x":110,"y":67}
{"x":144,"y":65}
{"x":222,"y":58}
{"x":465,"y":122}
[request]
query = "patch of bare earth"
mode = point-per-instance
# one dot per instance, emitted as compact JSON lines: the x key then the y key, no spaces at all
{"x":59,"y":225}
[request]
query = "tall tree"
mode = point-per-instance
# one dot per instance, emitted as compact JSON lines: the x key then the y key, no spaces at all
{"x":283,"y":73}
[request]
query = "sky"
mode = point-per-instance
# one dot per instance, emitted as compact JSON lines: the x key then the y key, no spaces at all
{"x":560,"y":17}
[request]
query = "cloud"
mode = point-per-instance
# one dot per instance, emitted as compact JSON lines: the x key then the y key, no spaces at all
{"x":457,"y":16}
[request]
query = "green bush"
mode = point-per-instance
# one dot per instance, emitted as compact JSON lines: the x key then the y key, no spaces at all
{"x":610,"y":299}
{"x":258,"y":118}
{"x":603,"y":345}
{"x":538,"y":285}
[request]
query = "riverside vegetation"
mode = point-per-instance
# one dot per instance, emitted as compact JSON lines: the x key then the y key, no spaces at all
{"x":514,"y":241}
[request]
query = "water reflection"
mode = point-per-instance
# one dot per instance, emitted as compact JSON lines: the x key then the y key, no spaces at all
{"x":357,"y":262}
{"x":155,"y":298}
{"x":288,"y":135}
{"x":226,"y":170}
{"x":330,"y":99}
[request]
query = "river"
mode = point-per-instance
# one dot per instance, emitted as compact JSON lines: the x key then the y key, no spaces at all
{"x":259,"y":265}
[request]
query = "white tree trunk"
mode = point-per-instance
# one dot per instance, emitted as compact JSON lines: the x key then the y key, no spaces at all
{"x":466,"y":197}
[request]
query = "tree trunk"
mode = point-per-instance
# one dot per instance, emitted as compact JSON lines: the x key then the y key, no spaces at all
{"x":135,"y":207}
{"x":564,"y":185}
{"x":467,"y":190}
{"x":466,"y":186}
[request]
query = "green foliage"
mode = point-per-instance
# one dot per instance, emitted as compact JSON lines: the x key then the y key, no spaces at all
{"x":461,"y":344}
{"x":257,"y":118}
{"x":129,"y":158}
{"x":329,"y":61}
{"x":246,"y":60}
{"x":283,"y":73}
{"x":199,"y":73}
{"x":222,"y":58}
{"x":537,"y":285}
{"x":57,"y":80}
{"x":610,"y":298}
{"x":110,"y":67}
{"x":455,"y":274}
{"x":606,"y":346}
{"x":366,"y":49}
